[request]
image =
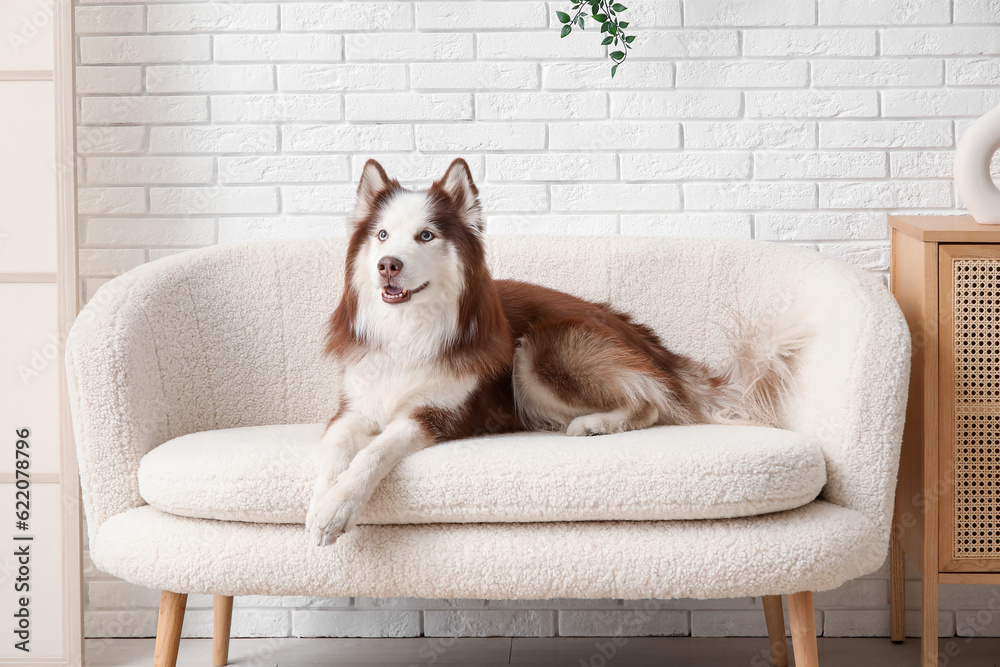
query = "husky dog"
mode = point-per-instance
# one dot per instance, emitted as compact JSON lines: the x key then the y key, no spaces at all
{"x":432,"y":348}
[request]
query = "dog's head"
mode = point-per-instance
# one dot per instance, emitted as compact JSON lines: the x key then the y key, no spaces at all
{"x":410,"y":245}
{"x":416,"y":259}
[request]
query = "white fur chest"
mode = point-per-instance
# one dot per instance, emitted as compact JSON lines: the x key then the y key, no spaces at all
{"x":420,"y":329}
{"x":382,"y":386}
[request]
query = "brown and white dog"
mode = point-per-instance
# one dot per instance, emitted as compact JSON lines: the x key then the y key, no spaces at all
{"x":432,"y":348}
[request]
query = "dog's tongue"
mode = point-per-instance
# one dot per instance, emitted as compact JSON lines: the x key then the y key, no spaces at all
{"x":393,"y":289}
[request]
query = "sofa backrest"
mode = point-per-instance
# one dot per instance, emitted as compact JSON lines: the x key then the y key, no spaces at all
{"x":245,"y":324}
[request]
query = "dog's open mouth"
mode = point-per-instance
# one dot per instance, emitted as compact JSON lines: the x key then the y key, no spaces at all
{"x":396,"y":294}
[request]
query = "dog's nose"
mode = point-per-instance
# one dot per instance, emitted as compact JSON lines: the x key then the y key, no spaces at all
{"x":389,"y":267}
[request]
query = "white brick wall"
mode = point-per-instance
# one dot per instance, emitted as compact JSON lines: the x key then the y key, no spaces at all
{"x":804,"y":121}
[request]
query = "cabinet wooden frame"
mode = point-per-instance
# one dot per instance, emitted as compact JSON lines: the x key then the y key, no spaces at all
{"x":915,"y":525}
{"x":923,"y":249}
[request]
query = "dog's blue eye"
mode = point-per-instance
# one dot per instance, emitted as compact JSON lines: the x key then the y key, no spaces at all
{"x":383,"y":235}
{"x":426,"y":235}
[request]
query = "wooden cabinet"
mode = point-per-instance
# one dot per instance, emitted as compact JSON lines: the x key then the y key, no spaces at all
{"x":946,"y":278}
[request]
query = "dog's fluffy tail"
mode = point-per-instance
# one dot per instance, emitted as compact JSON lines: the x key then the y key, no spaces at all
{"x":762,"y":369}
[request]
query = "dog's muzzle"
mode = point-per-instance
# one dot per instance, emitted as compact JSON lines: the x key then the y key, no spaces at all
{"x":396,"y":294}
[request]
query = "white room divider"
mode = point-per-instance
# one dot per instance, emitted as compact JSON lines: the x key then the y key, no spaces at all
{"x":40,"y":563}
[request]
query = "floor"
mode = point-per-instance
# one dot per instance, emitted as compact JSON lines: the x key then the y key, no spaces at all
{"x":551,"y":652}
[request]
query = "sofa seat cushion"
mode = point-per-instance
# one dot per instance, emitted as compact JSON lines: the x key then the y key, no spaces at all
{"x":264,"y":474}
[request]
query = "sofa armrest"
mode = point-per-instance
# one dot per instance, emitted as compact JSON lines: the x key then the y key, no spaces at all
{"x":852,"y":385}
{"x":116,"y":397}
{"x":219,"y":337}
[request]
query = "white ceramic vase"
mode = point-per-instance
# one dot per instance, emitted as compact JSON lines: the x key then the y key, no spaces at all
{"x":972,"y":168}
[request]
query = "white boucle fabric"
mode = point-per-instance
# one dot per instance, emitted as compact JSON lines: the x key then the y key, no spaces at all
{"x":232,"y":336}
{"x":815,"y":547}
{"x":265,"y":474}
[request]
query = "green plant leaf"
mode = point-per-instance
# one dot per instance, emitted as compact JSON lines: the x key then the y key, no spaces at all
{"x":605,"y":13}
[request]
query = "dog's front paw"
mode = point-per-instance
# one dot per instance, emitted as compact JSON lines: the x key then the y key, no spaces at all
{"x":588,"y":425}
{"x":330,"y":518}
{"x":312,"y":514}
{"x":312,"y":526}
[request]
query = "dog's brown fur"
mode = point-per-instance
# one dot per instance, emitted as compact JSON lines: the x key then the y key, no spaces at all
{"x":518,"y":356}
{"x":497,"y":314}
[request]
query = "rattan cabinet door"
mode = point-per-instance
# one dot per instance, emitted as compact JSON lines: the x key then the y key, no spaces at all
{"x":969,"y":455}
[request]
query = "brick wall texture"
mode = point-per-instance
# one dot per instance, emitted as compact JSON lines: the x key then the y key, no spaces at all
{"x":799,"y":121}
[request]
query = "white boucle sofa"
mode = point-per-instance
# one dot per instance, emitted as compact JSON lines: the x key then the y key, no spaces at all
{"x":199,"y":390}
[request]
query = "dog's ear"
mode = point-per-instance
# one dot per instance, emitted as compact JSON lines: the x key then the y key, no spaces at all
{"x":457,"y":184}
{"x":373,"y":182}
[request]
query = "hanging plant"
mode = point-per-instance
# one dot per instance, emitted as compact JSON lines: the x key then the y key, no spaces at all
{"x":606,"y":14}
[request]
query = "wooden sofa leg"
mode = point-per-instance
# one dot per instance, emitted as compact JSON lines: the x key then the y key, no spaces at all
{"x":168,"y":628}
{"x":775,"y":618}
{"x":803,"y":621}
{"x":223,"y":617}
